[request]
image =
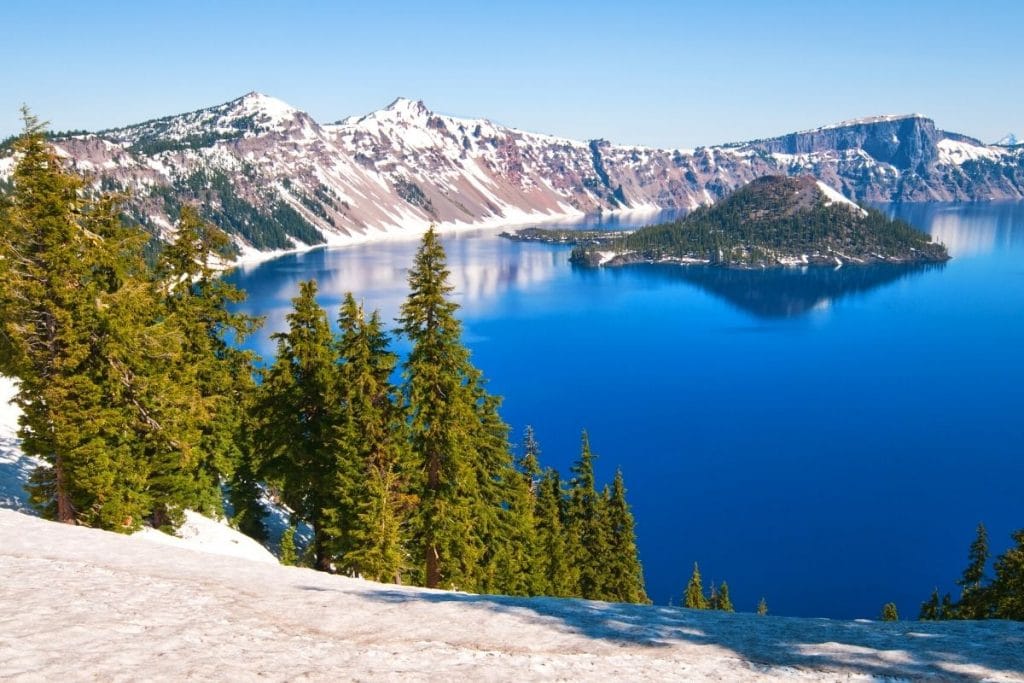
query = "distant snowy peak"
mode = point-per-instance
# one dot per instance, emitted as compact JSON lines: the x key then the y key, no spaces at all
{"x":867,"y":121}
{"x":1008,"y":140}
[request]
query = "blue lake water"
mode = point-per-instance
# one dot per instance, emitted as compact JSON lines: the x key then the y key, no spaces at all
{"x":825,"y":439}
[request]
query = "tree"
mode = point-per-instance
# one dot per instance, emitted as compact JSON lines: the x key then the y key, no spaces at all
{"x":585,"y":527}
{"x":974,"y":598}
{"x":724,"y":601}
{"x":930,"y":608}
{"x":762,"y":607}
{"x":368,"y":523}
{"x":1008,"y":585}
{"x":889,"y":612}
{"x":559,"y":575}
{"x":299,"y":404}
{"x":289,"y":554}
{"x":624,"y":576}
{"x":451,"y":444}
{"x":693,"y":597}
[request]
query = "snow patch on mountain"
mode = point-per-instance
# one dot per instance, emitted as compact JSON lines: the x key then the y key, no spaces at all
{"x":833,"y":196}
{"x":956,"y":152}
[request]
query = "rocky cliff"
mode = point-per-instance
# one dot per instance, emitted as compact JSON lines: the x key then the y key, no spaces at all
{"x":277,"y":179}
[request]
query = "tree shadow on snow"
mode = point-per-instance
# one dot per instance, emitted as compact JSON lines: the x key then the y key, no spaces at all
{"x":906,"y":649}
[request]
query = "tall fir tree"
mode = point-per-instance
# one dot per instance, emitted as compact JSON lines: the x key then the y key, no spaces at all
{"x":588,"y":541}
{"x":974,"y":600}
{"x":624,"y":576}
{"x":724,"y":601}
{"x":1008,"y":585}
{"x":930,"y":608}
{"x":299,"y":406}
{"x":374,"y":470}
{"x":560,"y":575}
{"x":694,"y":597}
{"x":441,"y":391}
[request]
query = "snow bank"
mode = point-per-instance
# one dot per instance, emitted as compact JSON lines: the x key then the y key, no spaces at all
{"x":131,"y":610}
{"x":833,"y":196}
{"x":197,"y":533}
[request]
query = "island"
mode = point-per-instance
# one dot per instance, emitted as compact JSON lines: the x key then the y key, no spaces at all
{"x":773,"y":221}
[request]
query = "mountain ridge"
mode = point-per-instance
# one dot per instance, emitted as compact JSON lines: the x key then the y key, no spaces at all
{"x":277,"y":179}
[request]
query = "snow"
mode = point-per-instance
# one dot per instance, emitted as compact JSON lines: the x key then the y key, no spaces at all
{"x":132,"y":610}
{"x":206,"y":535}
{"x":833,"y":196}
{"x":1008,"y":140}
{"x":955,"y":152}
{"x":867,"y":120}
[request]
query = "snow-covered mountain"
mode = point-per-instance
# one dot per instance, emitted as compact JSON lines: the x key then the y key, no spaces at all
{"x":277,"y":179}
{"x":1008,"y":140}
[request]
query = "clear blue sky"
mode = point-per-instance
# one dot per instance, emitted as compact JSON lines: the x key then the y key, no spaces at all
{"x":653,"y":73}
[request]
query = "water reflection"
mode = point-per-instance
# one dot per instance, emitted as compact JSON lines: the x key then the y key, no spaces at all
{"x":787,"y":292}
{"x":970,"y":229}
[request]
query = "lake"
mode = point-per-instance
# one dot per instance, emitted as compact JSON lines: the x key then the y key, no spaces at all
{"x":827,"y":439}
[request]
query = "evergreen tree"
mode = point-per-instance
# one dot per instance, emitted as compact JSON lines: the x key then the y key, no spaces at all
{"x":930,"y":608}
{"x":724,"y":601}
{"x":762,"y":607}
{"x":299,"y":405}
{"x":560,"y":576}
{"x":368,"y":522}
{"x":450,"y":444}
{"x":587,"y":533}
{"x":694,"y":595}
{"x":521,"y":564}
{"x":947,"y":610}
{"x":289,"y":554}
{"x":624,"y":575}
{"x":1008,"y":585}
{"x":974,"y":598}
{"x":889,"y":612}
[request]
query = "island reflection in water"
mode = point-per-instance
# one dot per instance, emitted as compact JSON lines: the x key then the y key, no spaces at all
{"x":787,"y":292}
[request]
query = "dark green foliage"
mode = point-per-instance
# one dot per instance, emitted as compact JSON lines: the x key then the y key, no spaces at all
{"x":559,"y":575}
{"x":974,"y":597}
{"x":771,"y":218}
{"x":889,"y":612}
{"x":1008,"y":586}
{"x":724,"y":601}
{"x":693,"y":597}
{"x":588,"y":535}
{"x":299,"y":405}
{"x":930,"y":608}
{"x":624,"y":580}
{"x":288,"y":554}
{"x":450,"y":440}
{"x":368,"y":522}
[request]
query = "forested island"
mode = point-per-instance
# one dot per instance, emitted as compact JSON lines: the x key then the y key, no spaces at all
{"x":772,"y":221}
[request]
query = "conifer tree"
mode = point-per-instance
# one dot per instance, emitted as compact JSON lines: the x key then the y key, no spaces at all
{"x":724,"y":601}
{"x":289,"y":555}
{"x":624,"y":575}
{"x":974,"y":598}
{"x":1008,"y":586}
{"x":560,"y":575}
{"x":368,"y":523}
{"x":930,"y":608}
{"x":587,"y":537}
{"x":299,"y":405}
{"x":889,"y":612}
{"x":947,"y":610}
{"x":694,"y":596}
{"x":762,"y":607}
{"x":520,"y":566}
{"x":450,"y":444}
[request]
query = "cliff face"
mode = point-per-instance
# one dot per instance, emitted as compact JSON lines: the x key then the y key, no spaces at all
{"x":276,"y":178}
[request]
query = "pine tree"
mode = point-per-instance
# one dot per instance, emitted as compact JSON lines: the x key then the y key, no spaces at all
{"x":521,"y":565}
{"x":624,"y":575}
{"x":947,"y":610}
{"x":694,"y":595}
{"x":974,"y":598}
{"x":889,"y":612}
{"x":289,"y":554}
{"x":442,"y":397}
{"x":373,"y":499}
{"x":724,"y":601}
{"x":1008,"y":586}
{"x":762,"y":607}
{"x":587,"y":533}
{"x":560,"y":575}
{"x":930,"y":608}
{"x":299,"y":406}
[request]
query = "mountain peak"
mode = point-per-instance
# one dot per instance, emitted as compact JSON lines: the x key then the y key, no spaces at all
{"x":408,"y":107}
{"x":1007,"y":140}
{"x":868,"y":120}
{"x":272,"y":110}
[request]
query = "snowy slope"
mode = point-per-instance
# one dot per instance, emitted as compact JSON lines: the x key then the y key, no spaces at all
{"x":79,"y":603}
{"x":197,"y":533}
{"x":393,"y":172}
